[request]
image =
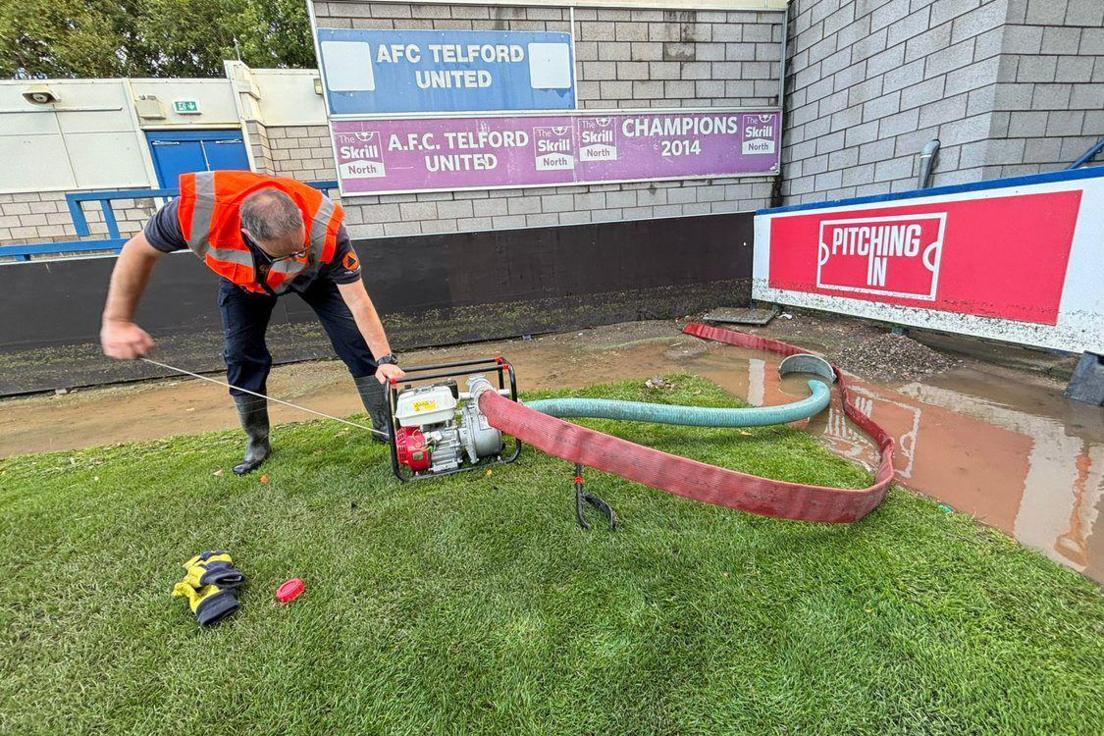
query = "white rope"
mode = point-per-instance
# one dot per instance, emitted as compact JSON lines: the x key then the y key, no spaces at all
{"x":262,"y":396}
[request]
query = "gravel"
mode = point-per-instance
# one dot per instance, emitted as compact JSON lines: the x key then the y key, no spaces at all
{"x":892,"y":358}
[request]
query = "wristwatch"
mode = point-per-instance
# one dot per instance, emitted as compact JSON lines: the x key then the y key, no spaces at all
{"x":388,"y":359}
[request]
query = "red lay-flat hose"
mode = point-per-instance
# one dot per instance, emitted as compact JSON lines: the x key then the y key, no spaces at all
{"x":690,"y":478}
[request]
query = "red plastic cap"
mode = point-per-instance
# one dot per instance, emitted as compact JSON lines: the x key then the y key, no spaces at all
{"x":290,"y":590}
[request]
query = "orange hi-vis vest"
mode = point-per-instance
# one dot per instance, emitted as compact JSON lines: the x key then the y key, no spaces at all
{"x":210,"y":220}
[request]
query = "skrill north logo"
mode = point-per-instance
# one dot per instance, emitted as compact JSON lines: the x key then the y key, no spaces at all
{"x":892,"y":256}
{"x":359,"y":155}
{"x":554,"y":148}
{"x":598,"y":139}
{"x":758,"y":133}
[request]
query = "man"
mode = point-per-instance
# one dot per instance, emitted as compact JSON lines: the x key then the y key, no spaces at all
{"x":264,"y":236}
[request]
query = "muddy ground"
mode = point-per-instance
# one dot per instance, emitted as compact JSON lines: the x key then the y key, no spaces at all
{"x":985,"y":429}
{"x":151,"y":409}
{"x":158,"y":408}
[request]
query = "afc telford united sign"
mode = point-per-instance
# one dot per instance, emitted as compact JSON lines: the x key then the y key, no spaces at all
{"x":410,"y":71}
{"x":376,"y":156}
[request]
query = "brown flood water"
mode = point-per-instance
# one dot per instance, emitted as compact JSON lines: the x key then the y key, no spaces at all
{"x":1000,"y":445}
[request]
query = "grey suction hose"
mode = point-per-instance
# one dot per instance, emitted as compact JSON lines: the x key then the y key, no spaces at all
{"x":698,"y":416}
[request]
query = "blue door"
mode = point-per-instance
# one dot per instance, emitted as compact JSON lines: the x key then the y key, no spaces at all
{"x":185,"y":151}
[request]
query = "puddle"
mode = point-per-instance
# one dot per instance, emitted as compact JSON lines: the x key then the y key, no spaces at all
{"x":1017,"y":456}
{"x":995,"y":444}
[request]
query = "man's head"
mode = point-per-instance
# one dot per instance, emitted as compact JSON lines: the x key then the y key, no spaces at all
{"x":273,"y":221}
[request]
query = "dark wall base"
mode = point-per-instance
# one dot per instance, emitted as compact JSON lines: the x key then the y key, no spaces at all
{"x":432,"y":290}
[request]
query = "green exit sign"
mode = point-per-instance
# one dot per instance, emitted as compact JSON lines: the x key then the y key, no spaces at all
{"x":186,"y":107}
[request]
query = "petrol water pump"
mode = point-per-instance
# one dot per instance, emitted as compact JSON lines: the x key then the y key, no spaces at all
{"x":438,"y":429}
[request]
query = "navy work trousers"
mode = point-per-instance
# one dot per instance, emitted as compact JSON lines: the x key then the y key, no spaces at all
{"x":245,"y":317}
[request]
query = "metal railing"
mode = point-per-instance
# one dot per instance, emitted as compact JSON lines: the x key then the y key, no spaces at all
{"x":1088,"y":156}
{"x":114,"y":240}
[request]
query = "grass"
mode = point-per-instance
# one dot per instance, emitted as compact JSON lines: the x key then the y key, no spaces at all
{"x":475,"y":605}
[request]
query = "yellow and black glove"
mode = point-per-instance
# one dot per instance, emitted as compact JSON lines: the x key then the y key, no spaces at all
{"x":213,"y":568}
{"x":211,"y":586}
{"x":210,"y":603}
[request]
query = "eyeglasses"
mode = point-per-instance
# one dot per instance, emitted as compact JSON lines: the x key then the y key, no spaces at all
{"x":252,"y":243}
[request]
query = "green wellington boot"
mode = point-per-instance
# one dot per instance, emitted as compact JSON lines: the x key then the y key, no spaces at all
{"x":253,"y":413}
{"x":374,"y":395}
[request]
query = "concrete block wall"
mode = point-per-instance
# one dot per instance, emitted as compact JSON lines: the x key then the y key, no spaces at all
{"x":625,"y":59}
{"x":871,"y":81}
{"x":1049,"y":101}
{"x":301,"y":152}
{"x":34,"y":217}
{"x":1008,"y":86}
{"x":260,"y":149}
{"x":43,"y":217}
{"x":506,"y":209}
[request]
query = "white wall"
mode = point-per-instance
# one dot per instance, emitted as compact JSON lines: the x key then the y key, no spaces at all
{"x":93,"y":137}
{"x":88,"y":139}
{"x":215,"y":98}
{"x":287,"y":97}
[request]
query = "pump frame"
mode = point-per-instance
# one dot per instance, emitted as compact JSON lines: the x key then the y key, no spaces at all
{"x":438,"y":372}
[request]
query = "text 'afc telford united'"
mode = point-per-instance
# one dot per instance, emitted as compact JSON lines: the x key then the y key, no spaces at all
{"x":446,"y":53}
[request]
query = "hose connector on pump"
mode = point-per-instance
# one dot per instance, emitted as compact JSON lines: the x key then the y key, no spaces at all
{"x":477,"y":384}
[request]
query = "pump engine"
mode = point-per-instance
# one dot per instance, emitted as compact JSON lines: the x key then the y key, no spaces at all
{"x":437,"y":429}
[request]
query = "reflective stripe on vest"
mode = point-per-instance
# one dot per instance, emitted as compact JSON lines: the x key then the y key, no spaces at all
{"x":203,"y":213}
{"x":320,"y":229}
{"x":210,"y":222}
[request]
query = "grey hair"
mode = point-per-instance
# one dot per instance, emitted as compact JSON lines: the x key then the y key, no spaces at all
{"x":270,"y":214}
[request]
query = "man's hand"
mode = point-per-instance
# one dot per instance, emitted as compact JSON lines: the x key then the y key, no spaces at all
{"x":120,"y":337}
{"x":124,"y":340}
{"x":386,"y":372}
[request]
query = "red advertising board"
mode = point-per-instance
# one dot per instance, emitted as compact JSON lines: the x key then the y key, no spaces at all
{"x":1002,"y":257}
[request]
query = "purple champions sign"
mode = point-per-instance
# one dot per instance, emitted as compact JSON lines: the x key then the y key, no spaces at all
{"x":375,"y":156}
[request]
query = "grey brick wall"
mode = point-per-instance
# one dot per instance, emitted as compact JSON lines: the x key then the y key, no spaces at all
{"x":43,"y":217}
{"x":1049,"y":102}
{"x":260,"y":149}
{"x":476,"y":211}
{"x":871,"y":81}
{"x":1008,"y":86}
{"x":625,"y":59}
{"x":301,"y":152}
{"x":34,"y":217}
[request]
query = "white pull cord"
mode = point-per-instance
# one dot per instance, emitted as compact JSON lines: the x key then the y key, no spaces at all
{"x":262,"y":396}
